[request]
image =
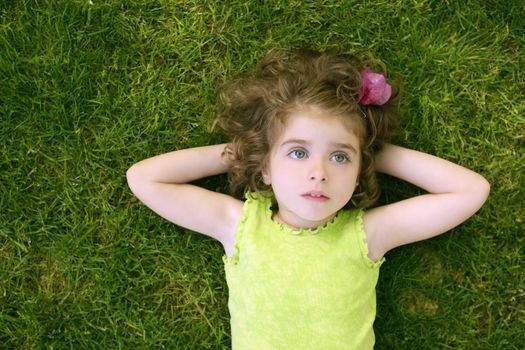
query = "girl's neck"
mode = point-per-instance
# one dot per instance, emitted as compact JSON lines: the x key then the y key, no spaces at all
{"x":277,"y":218}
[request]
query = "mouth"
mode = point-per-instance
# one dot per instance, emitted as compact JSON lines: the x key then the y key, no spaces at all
{"x":316,"y":196}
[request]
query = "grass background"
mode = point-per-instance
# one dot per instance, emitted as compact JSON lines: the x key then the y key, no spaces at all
{"x":90,"y":87}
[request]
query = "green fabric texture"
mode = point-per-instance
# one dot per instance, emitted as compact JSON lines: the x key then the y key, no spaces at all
{"x":307,"y":289}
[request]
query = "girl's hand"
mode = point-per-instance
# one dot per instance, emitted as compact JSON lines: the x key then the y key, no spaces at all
{"x":455,"y":194}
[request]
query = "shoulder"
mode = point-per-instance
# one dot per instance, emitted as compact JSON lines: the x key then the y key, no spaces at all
{"x":257,"y":203}
{"x":369,"y":223}
{"x":244,"y":214}
{"x":352,"y":217}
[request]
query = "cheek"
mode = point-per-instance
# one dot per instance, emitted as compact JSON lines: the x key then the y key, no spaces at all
{"x":348,"y":180}
{"x":282,"y":177}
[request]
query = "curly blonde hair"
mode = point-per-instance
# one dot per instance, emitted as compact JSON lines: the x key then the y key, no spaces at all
{"x":251,"y":110}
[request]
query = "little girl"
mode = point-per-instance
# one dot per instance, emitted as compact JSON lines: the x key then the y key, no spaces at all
{"x":307,"y":134}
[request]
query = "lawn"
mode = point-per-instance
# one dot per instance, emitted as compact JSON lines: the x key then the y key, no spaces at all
{"x":90,"y":87}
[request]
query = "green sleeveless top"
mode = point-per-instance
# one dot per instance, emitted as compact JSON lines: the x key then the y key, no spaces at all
{"x":307,"y":289}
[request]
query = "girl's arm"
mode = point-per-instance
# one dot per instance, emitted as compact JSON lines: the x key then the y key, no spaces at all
{"x":455,"y":194}
{"x":162,"y":183}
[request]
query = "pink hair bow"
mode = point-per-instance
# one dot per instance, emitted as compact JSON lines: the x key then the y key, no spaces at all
{"x":375,"y":89}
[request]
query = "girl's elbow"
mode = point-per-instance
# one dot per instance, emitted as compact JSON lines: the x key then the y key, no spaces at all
{"x":474,"y":195}
{"x":483,"y":186}
{"x":130,"y":175}
{"x":134,"y":179}
{"x":481,"y":189}
{"x":486,"y":188}
{"x":130,"y":178}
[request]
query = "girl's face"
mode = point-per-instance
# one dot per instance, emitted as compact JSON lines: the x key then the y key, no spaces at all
{"x":313,"y":168}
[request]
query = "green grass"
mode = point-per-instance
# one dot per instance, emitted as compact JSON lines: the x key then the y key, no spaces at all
{"x":90,"y":87}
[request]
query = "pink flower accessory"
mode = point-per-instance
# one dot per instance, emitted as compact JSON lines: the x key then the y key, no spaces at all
{"x":374,"y":88}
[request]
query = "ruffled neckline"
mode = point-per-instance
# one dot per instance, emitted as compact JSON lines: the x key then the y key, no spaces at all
{"x":267,"y":199}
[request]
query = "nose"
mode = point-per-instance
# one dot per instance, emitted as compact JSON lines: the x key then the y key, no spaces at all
{"x":318,"y":171}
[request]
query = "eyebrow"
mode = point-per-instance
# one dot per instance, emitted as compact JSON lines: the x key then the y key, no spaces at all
{"x":344,"y":145}
{"x":333,"y":144}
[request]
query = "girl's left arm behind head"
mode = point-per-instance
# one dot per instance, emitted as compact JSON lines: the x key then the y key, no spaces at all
{"x":454,"y":194}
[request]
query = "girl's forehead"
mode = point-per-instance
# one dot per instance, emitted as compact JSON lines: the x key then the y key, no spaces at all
{"x":305,"y":118}
{"x":316,"y":124}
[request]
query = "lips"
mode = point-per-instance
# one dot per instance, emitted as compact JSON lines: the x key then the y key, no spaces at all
{"x":317,"y":196}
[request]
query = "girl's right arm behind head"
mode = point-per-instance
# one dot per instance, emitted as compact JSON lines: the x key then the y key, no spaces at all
{"x":163,"y":184}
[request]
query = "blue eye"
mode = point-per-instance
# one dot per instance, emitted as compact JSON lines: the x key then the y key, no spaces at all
{"x":297,"y":154}
{"x":340,"y":158}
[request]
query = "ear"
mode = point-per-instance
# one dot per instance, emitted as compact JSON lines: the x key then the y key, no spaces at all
{"x":266,"y":177}
{"x":266,"y":174}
